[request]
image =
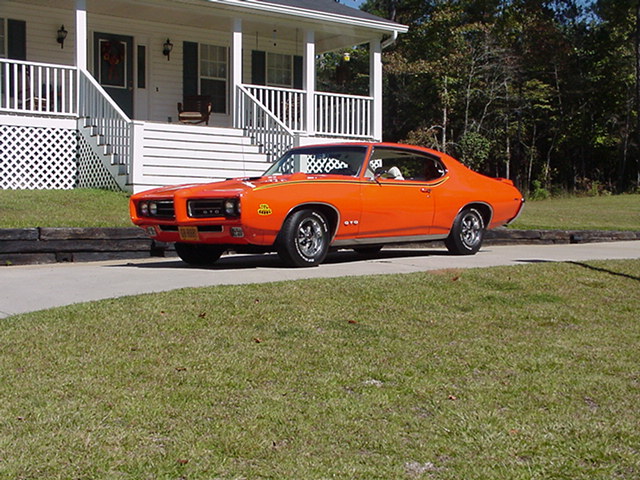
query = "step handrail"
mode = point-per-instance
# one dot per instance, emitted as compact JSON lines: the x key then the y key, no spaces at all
{"x":266,"y":129}
{"x":106,"y":119}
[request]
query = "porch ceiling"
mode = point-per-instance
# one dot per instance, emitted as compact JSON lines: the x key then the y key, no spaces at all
{"x":217,"y":16}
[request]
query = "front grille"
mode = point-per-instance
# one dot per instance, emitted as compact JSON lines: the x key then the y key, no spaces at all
{"x":205,"y":208}
{"x":165,"y":209}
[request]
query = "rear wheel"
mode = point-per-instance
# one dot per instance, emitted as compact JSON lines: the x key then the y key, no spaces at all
{"x":467,"y":233}
{"x":304,"y":239}
{"x":199,"y":253}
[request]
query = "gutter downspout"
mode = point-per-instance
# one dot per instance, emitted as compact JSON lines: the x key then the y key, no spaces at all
{"x":391,"y":40}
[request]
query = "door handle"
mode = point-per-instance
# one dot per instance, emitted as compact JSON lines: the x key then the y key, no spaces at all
{"x":425,"y":190}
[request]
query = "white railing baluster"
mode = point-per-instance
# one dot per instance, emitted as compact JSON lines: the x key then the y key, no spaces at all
{"x":261,"y":123}
{"x":284,"y":103}
{"x":41,"y":88}
{"x":106,"y":119}
{"x":343,"y":115}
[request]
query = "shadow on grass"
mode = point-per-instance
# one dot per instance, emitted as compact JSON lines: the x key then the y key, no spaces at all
{"x":604,"y":270}
{"x":589,"y":267}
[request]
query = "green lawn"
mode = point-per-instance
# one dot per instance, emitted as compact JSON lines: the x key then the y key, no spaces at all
{"x":63,"y":208}
{"x":99,"y":208}
{"x":614,"y":212}
{"x":526,"y":372}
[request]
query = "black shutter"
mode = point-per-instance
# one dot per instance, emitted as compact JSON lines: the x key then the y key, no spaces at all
{"x":17,"y":39}
{"x":258,"y":67}
{"x":297,"y":72}
{"x":189,"y":68}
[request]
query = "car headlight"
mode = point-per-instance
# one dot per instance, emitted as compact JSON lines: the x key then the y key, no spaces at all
{"x":144,"y":209}
{"x":232,"y":207}
{"x":153,"y":208}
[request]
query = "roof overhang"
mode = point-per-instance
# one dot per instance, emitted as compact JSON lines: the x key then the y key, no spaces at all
{"x":382,"y":25}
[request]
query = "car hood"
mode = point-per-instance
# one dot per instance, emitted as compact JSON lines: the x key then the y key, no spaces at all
{"x":232,"y":187}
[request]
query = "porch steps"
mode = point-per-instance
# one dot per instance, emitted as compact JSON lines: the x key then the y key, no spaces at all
{"x":110,"y":160}
{"x":175,"y":154}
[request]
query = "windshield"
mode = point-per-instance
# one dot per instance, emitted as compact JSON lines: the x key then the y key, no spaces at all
{"x":336,"y":160}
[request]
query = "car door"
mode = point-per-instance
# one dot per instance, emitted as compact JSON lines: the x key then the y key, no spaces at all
{"x":397,"y":200}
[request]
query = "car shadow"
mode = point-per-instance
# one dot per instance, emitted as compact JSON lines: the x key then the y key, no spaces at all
{"x":271,"y":260}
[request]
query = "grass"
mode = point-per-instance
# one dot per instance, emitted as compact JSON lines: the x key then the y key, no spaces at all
{"x":100,"y":208}
{"x":614,"y":212}
{"x":63,"y":208}
{"x":504,"y":373}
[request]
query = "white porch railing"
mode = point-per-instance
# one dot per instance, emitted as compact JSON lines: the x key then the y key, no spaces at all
{"x":106,"y":119}
{"x":27,"y":87}
{"x":285,"y":104}
{"x":260,"y":123}
{"x":343,"y":115}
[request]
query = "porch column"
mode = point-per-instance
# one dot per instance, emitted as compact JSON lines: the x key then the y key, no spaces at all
{"x":309,"y":81}
{"x":81,"y":34}
{"x":236,"y":67}
{"x":375,"y":87}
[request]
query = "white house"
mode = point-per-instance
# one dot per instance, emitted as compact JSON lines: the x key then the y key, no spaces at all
{"x":89,"y":88}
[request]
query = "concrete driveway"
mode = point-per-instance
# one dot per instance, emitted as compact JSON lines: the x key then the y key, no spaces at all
{"x":35,"y":287}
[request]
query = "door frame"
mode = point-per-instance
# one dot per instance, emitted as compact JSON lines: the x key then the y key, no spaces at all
{"x":109,"y":66}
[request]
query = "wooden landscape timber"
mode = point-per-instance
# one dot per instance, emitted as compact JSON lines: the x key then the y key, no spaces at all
{"x":23,"y":246}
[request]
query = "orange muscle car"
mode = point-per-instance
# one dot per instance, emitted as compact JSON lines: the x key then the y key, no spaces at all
{"x":351,"y":195}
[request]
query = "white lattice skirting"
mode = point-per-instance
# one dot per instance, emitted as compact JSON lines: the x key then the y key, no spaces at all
{"x":38,"y":158}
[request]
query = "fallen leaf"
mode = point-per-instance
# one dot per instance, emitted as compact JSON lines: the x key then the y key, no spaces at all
{"x":202,"y":315}
{"x":181,"y":369}
{"x":353,"y":321}
{"x":257,"y":340}
{"x":456,"y":278}
{"x":452,"y":397}
{"x":183,"y":461}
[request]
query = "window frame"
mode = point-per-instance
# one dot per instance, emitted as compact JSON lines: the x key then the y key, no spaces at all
{"x":405,"y":156}
{"x":3,"y":37}
{"x":269,"y":68}
{"x":224,"y":79}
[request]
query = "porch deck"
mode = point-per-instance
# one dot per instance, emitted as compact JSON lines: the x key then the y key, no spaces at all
{"x":141,"y":154}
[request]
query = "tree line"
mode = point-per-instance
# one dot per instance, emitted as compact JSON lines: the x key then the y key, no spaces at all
{"x":544,"y":92}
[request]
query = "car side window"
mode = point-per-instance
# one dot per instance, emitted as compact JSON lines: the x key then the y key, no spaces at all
{"x":398,"y":164}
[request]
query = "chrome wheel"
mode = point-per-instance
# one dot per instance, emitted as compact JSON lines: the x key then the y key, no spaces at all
{"x":471,"y":229}
{"x":467,"y":233}
{"x":304,"y":239}
{"x":310,"y":237}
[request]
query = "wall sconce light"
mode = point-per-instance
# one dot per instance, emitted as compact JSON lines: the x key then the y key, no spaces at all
{"x":62,"y":35}
{"x":346,"y":56}
{"x":166,"y":49}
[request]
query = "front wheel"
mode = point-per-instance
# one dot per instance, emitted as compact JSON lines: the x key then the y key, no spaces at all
{"x":199,"y":253}
{"x":467,"y":233}
{"x":304,"y":239}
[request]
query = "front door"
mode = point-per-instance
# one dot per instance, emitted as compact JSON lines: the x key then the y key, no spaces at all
{"x":113,"y":68}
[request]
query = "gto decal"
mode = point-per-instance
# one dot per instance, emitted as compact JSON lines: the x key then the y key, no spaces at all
{"x":264,"y":209}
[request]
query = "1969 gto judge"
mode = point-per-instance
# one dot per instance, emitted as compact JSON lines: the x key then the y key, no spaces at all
{"x":356,"y":195}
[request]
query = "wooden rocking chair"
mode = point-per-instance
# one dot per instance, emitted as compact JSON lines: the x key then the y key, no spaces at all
{"x":195,"y":109}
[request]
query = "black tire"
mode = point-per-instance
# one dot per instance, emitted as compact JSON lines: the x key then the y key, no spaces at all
{"x":304,"y":239}
{"x":467,"y":233}
{"x":199,"y":253}
{"x":370,"y":251}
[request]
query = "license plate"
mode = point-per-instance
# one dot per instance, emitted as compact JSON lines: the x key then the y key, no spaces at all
{"x":188,"y":233}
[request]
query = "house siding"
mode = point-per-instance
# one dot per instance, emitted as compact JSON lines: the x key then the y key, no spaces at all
{"x":42,"y":27}
{"x":164,"y":77}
